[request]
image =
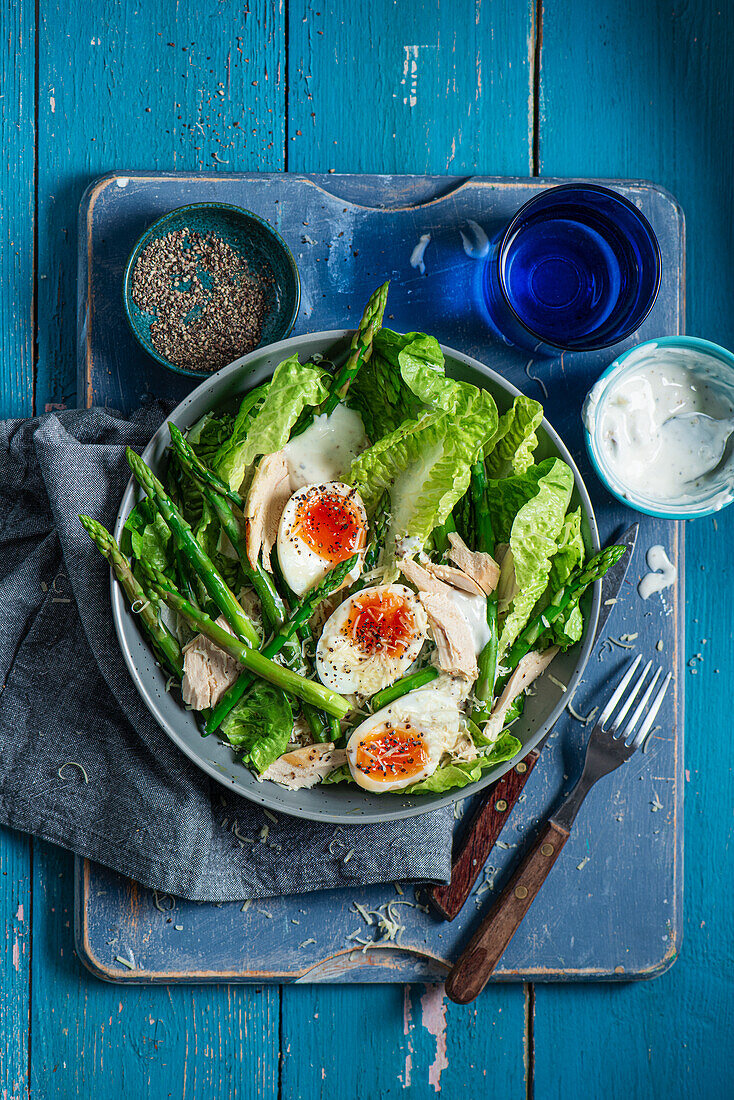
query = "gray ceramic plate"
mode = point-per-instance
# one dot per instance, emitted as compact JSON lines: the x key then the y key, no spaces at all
{"x":337,"y":804}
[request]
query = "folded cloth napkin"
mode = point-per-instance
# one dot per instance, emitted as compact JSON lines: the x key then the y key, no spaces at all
{"x":82,"y":763}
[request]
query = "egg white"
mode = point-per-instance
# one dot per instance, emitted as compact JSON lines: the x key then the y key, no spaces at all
{"x":343,"y":666}
{"x":430,"y":714}
{"x":301,"y":566}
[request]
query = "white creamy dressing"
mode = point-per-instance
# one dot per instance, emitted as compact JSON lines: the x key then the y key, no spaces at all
{"x":417,"y":255}
{"x":662,"y":573}
{"x":475,"y":241}
{"x":645,"y":429}
{"x":474,"y":610}
{"x":327,"y":448}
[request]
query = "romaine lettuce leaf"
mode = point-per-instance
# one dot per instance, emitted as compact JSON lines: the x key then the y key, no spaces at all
{"x":260,"y":726}
{"x":528,"y":512}
{"x":341,"y":774}
{"x":293,"y":386}
{"x":461,"y":773}
{"x":209,"y":433}
{"x":571,"y":553}
{"x":511,"y":451}
{"x":148,"y":535}
{"x":404,"y":377}
{"x":426,"y":463}
{"x":379,"y":393}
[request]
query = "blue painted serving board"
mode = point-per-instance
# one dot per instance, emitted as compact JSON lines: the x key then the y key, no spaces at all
{"x":612,"y":908}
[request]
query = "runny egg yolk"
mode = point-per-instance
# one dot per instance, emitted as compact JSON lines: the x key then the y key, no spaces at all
{"x":392,"y":753}
{"x":330,"y":525}
{"x":380,"y":622}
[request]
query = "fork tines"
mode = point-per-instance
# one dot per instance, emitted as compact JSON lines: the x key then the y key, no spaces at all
{"x":628,"y":735}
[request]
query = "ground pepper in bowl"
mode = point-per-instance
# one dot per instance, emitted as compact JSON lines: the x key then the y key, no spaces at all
{"x":208,"y":307}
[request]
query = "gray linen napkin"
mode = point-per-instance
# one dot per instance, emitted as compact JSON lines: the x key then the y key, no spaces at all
{"x":65,"y":695}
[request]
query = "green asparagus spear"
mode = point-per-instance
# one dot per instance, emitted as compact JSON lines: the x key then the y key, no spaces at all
{"x":299,"y":617}
{"x":401,"y":687}
{"x":204,"y":567}
{"x":487,"y":663}
{"x":161,"y":638}
{"x":539,"y":627}
{"x":440,"y":533}
{"x":480,"y":503}
{"x":256,"y":663}
{"x":273,"y":608}
{"x":360,"y":347}
{"x":360,"y":350}
{"x":191,"y":461}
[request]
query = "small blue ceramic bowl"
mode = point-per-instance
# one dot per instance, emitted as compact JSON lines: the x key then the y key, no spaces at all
{"x":715,"y":366}
{"x":254,"y":239}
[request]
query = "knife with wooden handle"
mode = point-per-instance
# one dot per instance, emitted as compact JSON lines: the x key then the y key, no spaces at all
{"x":495,"y":808}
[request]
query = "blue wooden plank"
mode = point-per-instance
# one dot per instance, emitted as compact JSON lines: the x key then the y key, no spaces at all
{"x":383,"y":87}
{"x":651,"y":94}
{"x":91,"y":1040}
{"x":370,"y":1041}
{"x":161,"y":86}
{"x":17,"y":213}
{"x":17,"y":134}
{"x":199,"y":87}
{"x":15,"y":962}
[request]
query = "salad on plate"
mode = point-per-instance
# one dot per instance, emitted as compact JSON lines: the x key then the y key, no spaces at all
{"x":356,"y":575}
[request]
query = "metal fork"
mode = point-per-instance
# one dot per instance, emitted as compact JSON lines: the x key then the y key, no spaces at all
{"x":613,"y":741}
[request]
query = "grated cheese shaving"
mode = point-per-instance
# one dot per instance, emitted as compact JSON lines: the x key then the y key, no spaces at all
{"x":73,"y":764}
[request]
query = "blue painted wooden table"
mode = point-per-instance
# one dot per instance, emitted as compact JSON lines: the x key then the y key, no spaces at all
{"x":511,"y":87}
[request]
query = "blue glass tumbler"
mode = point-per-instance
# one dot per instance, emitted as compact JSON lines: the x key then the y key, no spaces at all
{"x":578,"y":268}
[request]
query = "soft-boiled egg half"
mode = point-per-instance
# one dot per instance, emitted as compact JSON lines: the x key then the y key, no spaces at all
{"x":371,"y":639}
{"x":321,"y":526}
{"x":404,"y":742}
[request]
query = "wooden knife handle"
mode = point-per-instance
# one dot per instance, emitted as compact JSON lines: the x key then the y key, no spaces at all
{"x":486,"y":947}
{"x":480,"y":838}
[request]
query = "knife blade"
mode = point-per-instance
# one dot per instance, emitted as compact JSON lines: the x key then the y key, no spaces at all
{"x":496,"y":806}
{"x":613,"y":579}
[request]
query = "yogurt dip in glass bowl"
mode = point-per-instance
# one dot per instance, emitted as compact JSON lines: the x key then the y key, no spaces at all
{"x":658,"y":426}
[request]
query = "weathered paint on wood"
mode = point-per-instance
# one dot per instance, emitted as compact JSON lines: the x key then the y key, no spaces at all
{"x":17,"y":208}
{"x":367,"y":1041}
{"x":662,"y":78}
{"x":165,"y":86}
{"x":652,"y":94}
{"x":592,"y":932}
{"x":161,"y":86}
{"x":92,"y":1040}
{"x":411,"y":88}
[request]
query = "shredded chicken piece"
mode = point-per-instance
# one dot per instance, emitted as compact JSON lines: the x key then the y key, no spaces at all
{"x":208,"y":671}
{"x":464,"y":747}
{"x":268,"y":496}
{"x":305,"y":767}
{"x":457,"y":578}
{"x":481,"y":567}
{"x":529,"y":668}
{"x":422,"y":579}
{"x":451,"y":633}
